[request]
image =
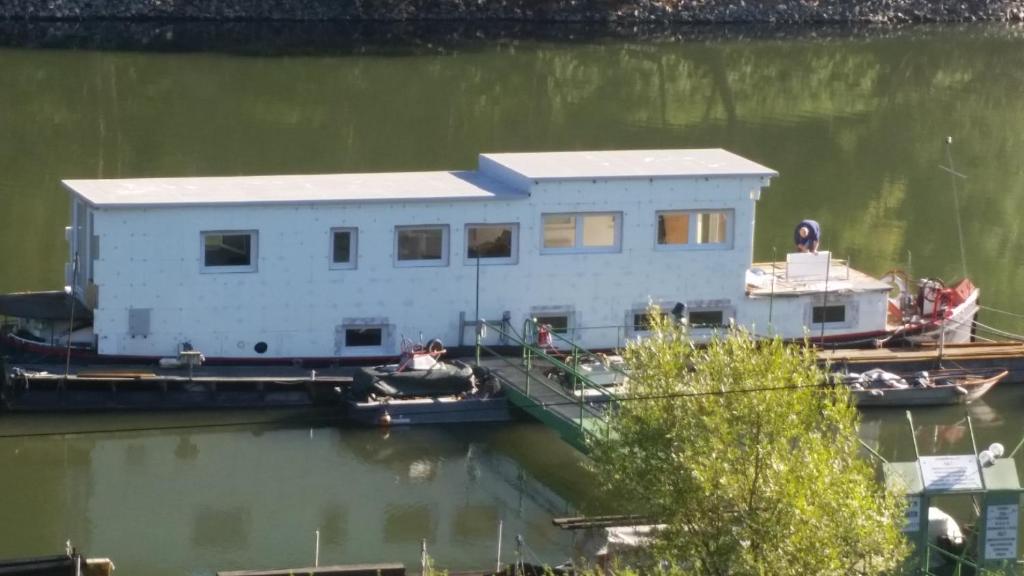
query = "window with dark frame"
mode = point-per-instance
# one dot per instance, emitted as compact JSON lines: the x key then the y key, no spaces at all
{"x":491,"y":241}
{"x":707,"y":319}
{"x":364,"y":337}
{"x":343,"y":248}
{"x":559,"y":323}
{"x":835,"y":314}
{"x":642,"y":321}
{"x":228,"y":249}
{"x":422,"y":244}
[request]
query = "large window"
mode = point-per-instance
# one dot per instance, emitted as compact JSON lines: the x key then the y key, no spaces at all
{"x":492,"y":243}
{"x":343,"y":248}
{"x":694,"y":230}
{"x":828,"y":314}
{"x":233,"y":251}
{"x":421,"y":246}
{"x":585,"y":232}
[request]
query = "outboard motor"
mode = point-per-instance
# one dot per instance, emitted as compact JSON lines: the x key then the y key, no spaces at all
{"x":928,"y":295}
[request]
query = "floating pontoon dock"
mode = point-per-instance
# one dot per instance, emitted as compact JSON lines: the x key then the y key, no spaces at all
{"x":1008,"y":355}
{"x":35,"y":388}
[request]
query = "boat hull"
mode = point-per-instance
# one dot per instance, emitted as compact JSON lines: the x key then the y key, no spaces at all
{"x":966,"y":389}
{"x":440,"y":410}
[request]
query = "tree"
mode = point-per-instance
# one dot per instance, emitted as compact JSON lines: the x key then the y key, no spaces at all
{"x":750,"y":463}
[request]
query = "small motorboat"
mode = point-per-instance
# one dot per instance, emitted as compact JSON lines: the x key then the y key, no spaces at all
{"x":422,"y":389}
{"x":940,"y":387}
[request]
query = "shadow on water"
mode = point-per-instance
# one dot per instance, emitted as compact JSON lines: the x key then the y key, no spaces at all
{"x":410,"y":37}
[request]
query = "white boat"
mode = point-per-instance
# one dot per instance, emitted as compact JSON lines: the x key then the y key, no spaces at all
{"x":336,"y":267}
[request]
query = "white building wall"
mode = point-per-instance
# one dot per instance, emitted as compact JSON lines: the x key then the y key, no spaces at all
{"x":151,"y":258}
{"x":788,"y":315}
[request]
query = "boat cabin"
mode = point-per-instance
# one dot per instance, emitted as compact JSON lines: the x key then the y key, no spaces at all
{"x":347,"y":265}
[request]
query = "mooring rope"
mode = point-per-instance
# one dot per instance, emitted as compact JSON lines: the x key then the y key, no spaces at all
{"x":999,"y":332}
{"x":998,"y":311}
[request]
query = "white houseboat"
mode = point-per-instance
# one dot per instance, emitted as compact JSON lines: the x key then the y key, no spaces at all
{"x":344,"y":266}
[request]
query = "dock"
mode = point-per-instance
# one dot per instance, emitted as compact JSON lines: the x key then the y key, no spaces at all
{"x":392,"y":569}
{"x":47,"y":388}
{"x":1007,"y":355}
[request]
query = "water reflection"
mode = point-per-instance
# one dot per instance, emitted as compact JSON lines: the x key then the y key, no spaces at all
{"x":200,"y":500}
{"x":945,"y":430}
{"x":225,"y":528}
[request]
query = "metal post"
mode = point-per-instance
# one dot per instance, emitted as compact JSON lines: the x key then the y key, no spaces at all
{"x":71,"y":320}
{"x":527,"y":352}
{"x":478,"y":341}
{"x":497,"y":567}
{"x":316,"y":550}
{"x":824,"y":298}
{"x":476,"y":316}
{"x":771,"y":296}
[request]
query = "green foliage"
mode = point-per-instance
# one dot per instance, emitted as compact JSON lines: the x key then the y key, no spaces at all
{"x":748,"y":480}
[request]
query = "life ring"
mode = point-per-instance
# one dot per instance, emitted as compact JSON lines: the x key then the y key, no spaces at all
{"x":899,"y":280}
{"x":435,"y":346}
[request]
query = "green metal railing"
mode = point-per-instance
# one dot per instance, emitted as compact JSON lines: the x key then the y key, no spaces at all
{"x":961,"y":565}
{"x":564,"y":356}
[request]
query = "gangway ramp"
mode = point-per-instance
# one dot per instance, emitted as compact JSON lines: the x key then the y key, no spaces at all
{"x":544,"y":382}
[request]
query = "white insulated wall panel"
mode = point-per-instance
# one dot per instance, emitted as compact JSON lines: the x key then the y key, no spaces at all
{"x":294,"y":302}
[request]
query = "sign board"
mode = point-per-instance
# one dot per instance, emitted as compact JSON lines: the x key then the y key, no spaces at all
{"x":912,"y":516}
{"x":950,"y":473}
{"x":1001,"y":532}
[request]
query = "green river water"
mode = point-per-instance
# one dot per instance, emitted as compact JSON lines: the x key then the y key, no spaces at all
{"x":854,"y":123}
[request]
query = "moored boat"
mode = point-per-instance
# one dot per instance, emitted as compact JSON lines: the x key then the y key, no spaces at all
{"x":423,"y":389}
{"x":329,"y":268}
{"x":878,"y":388}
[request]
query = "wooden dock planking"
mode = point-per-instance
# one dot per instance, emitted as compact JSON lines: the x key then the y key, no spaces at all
{"x":391,"y":569}
{"x":1008,"y":355}
{"x":1009,"y":351}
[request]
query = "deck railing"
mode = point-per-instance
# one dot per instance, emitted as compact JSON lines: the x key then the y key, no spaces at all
{"x":558,"y":357}
{"x":954,"y":565}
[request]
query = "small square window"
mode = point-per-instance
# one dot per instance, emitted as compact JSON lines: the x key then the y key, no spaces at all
{"x":343,"y":248}
{"x":363,"y":337}
{"x":706,"y":319}
{"x":229,"y":251}
{"x":492,"y":243}
{"x":559,"y":323}
{"x":585,"y":232}
{"x":421,"y":246}
{"x":828,"y":315}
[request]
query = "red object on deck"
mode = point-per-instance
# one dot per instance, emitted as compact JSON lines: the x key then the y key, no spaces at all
{"x":961,"y":291}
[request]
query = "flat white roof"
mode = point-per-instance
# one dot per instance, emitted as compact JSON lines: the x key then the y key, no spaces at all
{"x":198,"y":191}
{"x":482,"y":184}
{"x":630,"y":164}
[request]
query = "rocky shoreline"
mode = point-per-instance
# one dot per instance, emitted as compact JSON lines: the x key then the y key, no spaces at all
{"x":797,"y":12}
